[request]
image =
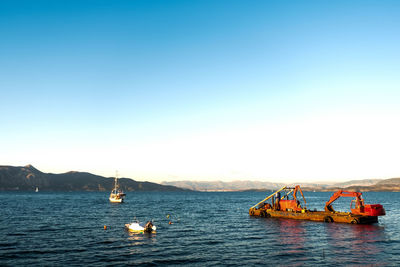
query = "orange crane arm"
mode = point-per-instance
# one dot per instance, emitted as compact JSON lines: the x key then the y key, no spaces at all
{"x":342,"y":193}
{"x":297,"y":188}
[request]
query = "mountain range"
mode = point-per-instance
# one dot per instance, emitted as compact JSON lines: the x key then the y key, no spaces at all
{"x":392,"y":184}
{"x":27,"y":178}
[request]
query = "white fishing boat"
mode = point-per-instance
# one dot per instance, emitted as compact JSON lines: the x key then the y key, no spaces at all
{"x":141,"y":227}
{"x":116,"y":196}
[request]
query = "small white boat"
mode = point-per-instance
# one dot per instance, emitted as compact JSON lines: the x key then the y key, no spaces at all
{"x":141,"y":227}
{"x":37,"y":189}
{"x":116,"y":196}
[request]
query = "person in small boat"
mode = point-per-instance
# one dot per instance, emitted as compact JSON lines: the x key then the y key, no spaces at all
{"x":148,"y":228}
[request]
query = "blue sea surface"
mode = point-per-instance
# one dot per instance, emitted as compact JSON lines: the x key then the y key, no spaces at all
{"x":208,"y":228}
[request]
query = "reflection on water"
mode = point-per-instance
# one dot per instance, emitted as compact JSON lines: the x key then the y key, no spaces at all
{"x":330,"y":243}
{"x":361,"y":242}
{"x":137,"y":242}
{"x":292,"y":235}
{"x":139,"y":236}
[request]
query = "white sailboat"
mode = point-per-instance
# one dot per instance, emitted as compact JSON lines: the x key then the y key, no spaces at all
{"x":37,"y":189}
{"x":116,"y":196}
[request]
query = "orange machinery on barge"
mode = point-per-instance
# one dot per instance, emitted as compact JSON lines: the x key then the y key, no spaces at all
{"x":285,"y":204}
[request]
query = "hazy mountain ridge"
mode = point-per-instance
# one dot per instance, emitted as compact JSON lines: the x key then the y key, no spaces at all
{"x":392,"y":184}
{"x":28,"y":178}
{"x":222,"y":186}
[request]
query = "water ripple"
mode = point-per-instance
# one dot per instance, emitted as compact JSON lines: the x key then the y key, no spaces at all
{"x":207,"y":229}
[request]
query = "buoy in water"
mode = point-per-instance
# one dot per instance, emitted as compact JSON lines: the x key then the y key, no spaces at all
{"x":170,"y":222}
{"x":105,"y":227}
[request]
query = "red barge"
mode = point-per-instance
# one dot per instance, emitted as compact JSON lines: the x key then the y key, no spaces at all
{"x":285,"y":204}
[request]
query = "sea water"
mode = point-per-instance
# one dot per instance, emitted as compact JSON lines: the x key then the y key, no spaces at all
{"x":193,"y":228}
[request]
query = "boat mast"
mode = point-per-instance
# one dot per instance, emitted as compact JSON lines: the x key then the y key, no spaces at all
{"x":116,"y":181}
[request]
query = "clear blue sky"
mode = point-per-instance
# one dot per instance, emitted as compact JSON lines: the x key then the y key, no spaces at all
{"x":170,"y":90}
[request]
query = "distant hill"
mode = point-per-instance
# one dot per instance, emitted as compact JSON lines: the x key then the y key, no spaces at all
{"x":365,"y":182}
{"x":357,"y":185}
{"x":224,"y":186}
{"x":392,"y":185}
{"x":28,"y":178}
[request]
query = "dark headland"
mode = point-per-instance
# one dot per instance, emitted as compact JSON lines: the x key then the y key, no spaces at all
{"x":27,"y":178}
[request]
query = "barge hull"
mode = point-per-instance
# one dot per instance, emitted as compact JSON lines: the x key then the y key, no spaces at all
{"x":320,"y":216}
